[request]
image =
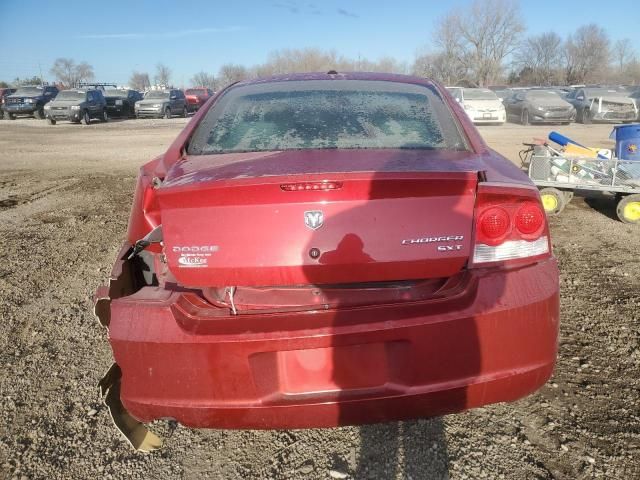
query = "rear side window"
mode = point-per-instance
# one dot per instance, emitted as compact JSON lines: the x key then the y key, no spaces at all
{"x":327,"y":114}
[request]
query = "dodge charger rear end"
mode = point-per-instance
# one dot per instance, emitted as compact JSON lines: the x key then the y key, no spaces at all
{"x":329,"y":249}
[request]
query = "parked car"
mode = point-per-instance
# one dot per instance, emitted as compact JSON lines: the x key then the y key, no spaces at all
{"x":635,"y":95}
{"x":162,"y":103}
{"x":121,"y":102}
{"x":76,"y":105}
{"x":320,"y":250}
{"x":29,"y":100}
{"x":481,"y":104}
{"x":601,"y":104}
{"x":539,"y":106}
{"x":4,"y":93}
{"x":503,"y":94}
{"x":196,"y":97}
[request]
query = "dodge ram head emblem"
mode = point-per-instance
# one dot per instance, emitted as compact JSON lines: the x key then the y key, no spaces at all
{"x":313,"y":219}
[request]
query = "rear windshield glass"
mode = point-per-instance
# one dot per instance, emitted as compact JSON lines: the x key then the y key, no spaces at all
{"x":321,"y":114}
{"x":606,"y":92}
{"x":157,"y":94}
{"x":195,"y":91}
{"x":474,"y":94}
{"x":29,"y":91}
{"x":71,"y":95}
{"x":542,"y":94}
{"x":115,"y":93}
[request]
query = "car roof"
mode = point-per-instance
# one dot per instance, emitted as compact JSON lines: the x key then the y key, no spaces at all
{"x":388,"y":77}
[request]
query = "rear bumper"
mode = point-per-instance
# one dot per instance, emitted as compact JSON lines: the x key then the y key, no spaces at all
{"x":494,"y":340}
{"x":117,"y":109}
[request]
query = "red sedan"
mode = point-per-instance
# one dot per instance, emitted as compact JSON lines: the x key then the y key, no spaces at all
{"x":197,"y":97}
{"x":329,"y":249}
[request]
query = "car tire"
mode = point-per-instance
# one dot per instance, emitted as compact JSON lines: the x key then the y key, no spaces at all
{"x":628,"y":209}
{"x":524,"y":118}
{"x":2,"y":114}
{"x":585,"y":116}
{"x":553,"y":201}
{"x":167,"y":113}
{"x":86,"y":119}
{"x":104,"y":117}
{"x":11,"y":116}
{"x":185,"y":112}
{"x":39,"y":114}
{"x":51,"y":121}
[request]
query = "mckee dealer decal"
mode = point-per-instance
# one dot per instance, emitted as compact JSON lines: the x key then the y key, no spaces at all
{"x":194,"y":256}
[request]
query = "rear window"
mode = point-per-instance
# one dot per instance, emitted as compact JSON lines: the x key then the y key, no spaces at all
{"x":477,"y":94}
{"x":29,"y":91}
{"x":71,"y":95}
{"x":116,"y":93}
{"x":327,"y":114}
{"x":157,"y":94}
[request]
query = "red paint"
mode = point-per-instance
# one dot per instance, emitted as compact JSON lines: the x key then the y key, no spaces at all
{"x":378,"y":314}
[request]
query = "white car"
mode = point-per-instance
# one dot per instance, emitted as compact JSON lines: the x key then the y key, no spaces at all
{"x":481,"y":104}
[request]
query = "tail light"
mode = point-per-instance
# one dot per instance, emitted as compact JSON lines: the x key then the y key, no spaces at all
{"x":510,"y":226}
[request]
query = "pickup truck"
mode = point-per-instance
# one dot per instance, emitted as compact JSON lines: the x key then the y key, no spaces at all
{"x":29,"y":101}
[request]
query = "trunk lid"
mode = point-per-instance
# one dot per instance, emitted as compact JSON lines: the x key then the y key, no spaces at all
{"x":318,"y":217}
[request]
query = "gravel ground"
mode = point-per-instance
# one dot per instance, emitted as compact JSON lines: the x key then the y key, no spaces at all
{"x":65,"y":194}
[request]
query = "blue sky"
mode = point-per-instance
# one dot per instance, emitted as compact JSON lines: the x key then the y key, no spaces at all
{"x":117,"y":37}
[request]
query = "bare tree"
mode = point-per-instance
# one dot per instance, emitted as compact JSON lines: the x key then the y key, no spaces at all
{"x":231,"y":73}
{"x":480,"y":38}
{"x":69,"y":73}
{"x":204,"y":79}
{"x":440,"y":66}
{"x":163,"y":74}
{"x":623,"y":53}
{"x":139,"y":81}
{"x":540,"y":58}
{"x":586,"y":54}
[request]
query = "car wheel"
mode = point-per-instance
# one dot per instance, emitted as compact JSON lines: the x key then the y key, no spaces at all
{"x":586,"y":116}
{"x":39,"y":114}
{"x":86,"y":119}
{"x":104,"y":117}
{"x":1,"y":114}
{"x":185,"y":112}
{"x":524,"y":118}
{"x":51,"y":121}
{"x":167,"y":113}
{"x":11,"y":116}
{"x":553,"y":201}
{"x":628,"y":209}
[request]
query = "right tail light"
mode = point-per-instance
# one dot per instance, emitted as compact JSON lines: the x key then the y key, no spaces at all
{"x":510,"y":226}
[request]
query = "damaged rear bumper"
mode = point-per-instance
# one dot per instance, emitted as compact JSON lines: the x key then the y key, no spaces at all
{"x":494,"y":340}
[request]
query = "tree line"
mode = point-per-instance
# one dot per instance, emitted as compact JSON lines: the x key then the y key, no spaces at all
{"x":480,"y":45}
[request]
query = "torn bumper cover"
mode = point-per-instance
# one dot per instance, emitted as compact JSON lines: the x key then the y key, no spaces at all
{"x":181,"y":357}
{"x":121,"y":283}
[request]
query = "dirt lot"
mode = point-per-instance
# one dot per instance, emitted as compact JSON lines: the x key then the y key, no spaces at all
{"x":65,"y":194}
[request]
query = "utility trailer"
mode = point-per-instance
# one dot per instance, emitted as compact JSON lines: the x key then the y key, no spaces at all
{"x":558,"y":177}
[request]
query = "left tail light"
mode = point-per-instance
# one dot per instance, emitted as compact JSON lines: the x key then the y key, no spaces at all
{"x":510,"y":226}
